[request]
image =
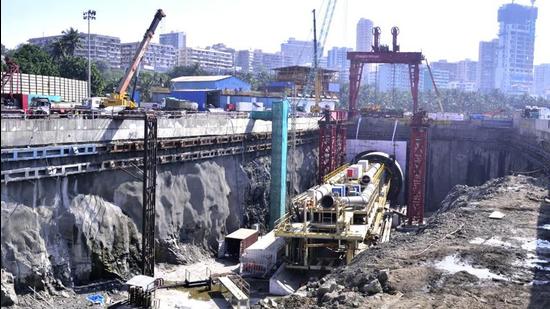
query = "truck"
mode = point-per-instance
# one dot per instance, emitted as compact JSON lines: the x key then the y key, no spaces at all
{"x":43,"y":105}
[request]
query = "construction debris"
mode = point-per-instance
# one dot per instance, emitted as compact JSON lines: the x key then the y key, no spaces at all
{"x":476,"y":262}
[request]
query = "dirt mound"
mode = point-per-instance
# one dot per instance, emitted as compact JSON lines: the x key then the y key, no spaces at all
{"x":461,"y":258}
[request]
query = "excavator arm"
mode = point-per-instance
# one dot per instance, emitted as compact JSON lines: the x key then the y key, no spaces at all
{"x":120,"y":97}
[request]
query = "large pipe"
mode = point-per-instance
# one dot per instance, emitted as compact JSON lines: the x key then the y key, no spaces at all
{"x":369,"y":175}
{"x":362,"y":199}
{"x":317,"y":193}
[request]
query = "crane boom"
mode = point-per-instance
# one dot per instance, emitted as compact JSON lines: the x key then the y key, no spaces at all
{"x":120,"y":98}
{"x":123,"y":86}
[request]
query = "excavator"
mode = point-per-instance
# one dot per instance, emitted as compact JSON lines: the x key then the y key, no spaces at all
{"x":120,"y":97}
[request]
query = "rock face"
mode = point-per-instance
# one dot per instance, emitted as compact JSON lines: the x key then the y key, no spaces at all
{"x":8,"y":296}
{"x":88,"y":226}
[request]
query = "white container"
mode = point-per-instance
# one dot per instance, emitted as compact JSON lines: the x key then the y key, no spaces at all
{"x":364,"y":164}
{"x":354,"y":172}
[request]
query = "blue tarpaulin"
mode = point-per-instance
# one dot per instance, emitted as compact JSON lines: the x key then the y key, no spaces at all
{"x":96,"y":299}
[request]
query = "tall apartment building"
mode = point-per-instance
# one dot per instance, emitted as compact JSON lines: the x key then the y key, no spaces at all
{"x":466,"y":71}
{"x":337,"y":60}
{"x":541,"y":85}
{"x":178,"y":40}
{"x":158,"y":57}
{"x":244,"y":60}
{"x":516,"y":41}
{"x":486,"y":65}
{"x":364,"y":35}
{"x":363,"y":42}
{"x":103,"y":48}
{"x":209,"y":59}
{"x":444,"y":65}
{"x":393,"y":76}
{"x":268,"y":61}
{"x":295,"y":52}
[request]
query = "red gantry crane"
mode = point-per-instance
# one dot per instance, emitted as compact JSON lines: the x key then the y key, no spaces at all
{"x":418,"y":146}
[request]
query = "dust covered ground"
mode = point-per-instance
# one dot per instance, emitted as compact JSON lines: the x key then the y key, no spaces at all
{"x":461,"y":259}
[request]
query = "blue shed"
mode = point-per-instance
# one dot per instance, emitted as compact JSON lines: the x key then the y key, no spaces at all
{"x":215,"y":82}
{"x":203,"y":97}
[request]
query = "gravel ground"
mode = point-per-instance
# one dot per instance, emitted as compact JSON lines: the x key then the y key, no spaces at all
{"x":460,"y":259}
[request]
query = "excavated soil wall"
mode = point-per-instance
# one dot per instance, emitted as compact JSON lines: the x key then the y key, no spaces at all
{"x":80,"y":228}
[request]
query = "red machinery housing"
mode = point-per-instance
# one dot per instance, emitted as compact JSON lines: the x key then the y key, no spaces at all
{"x":419,"y":129}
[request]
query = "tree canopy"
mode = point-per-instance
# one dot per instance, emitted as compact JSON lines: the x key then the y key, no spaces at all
{"x":34,"y":60}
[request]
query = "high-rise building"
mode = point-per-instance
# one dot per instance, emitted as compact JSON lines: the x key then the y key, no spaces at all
{"x":337,"y":60}
{"x":269,"y":61}
{"x":210,"y":59}
{"x":486,"y":66}
{"x":158,"y":57}
{"x":244,"y":60}
{"x":441,"y":78}
{"x":103,"y":48}
{"x":466,"y":71}
{"x":295,"y":52}
{"x":178,"y":40}
{"x":393,"y":76}
{"x":364,"y":42}
{"x":516,"y":42}
{"x":364,"y":35}
{"x":444,"y":65}
{"x":541,"y":85}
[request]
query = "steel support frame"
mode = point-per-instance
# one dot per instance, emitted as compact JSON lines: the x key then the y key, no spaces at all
{"x":327,"y":149}
{"x":419,"y":128}
{"x":149,"y":195}
{"x":417,"y":173}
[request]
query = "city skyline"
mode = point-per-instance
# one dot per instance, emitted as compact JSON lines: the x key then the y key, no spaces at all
{"x":435,"y":41}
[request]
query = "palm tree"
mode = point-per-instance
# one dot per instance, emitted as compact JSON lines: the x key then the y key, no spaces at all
{"x":71,"y":40}
{"x":58,"y":50}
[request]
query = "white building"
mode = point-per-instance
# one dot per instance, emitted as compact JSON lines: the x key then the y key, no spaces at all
{"x":178,"y":40}
{"x":209,"y":59}
{"x":158,"y":57}
{"x":516,"y":44}
{"x":364,"y":36}
{"x":337,"y":60}
{"x":486,"y":65}
{"x":102,"y":47}
{"x":296,"y":52}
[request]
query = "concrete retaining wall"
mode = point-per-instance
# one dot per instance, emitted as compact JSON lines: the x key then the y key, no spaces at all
{"x":21,"y":132}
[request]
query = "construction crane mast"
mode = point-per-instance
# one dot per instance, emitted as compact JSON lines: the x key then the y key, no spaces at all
{"x":120,"y":97}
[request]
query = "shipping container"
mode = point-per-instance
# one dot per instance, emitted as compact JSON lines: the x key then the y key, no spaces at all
{"x":261,"y":257}
{"x":238,"y":241}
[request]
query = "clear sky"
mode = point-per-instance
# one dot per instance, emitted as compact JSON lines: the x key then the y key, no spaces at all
{"x":441,"y":29}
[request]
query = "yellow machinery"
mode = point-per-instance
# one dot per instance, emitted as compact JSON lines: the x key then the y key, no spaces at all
{"x":120,"y":97}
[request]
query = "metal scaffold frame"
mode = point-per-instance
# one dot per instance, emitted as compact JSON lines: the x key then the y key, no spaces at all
{"x":332,"y":142}
{"x":149,"y":194}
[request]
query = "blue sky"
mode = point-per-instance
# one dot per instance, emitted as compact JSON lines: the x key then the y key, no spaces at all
{"x":441,"y":29}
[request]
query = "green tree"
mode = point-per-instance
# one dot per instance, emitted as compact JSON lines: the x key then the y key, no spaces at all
{"x":34,"y":60}
{"x":66,"y":45}
{"x":4,"y":50}
{"x":77,"y":68}
{"x":192,"y":70}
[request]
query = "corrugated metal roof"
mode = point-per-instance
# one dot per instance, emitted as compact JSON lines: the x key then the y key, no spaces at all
{"x":241,"y":234}
{"x":208,"y":78}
